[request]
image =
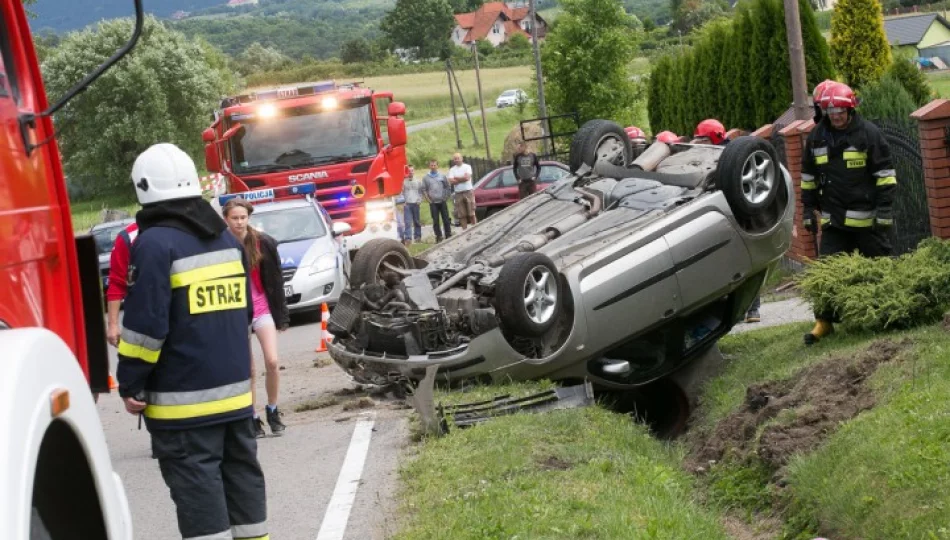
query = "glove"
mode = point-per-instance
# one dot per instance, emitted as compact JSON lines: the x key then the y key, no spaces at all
{"x":809,"y":221}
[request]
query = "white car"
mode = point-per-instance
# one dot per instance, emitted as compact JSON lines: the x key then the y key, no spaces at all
{"x":382,"y":221}
{"x":314,"y":264}
{"x":510,"y":98}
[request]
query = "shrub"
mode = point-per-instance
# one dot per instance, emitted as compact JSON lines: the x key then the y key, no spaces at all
{"x":887,"y":99}
{"x":905,"y":71}
{"x":859,"y":48}
{"x":882,"y":293}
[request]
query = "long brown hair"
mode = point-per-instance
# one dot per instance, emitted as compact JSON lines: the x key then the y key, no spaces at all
{"x":252,"y":239}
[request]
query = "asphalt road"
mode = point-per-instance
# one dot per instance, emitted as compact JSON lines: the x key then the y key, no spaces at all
{"x":301,"y":468}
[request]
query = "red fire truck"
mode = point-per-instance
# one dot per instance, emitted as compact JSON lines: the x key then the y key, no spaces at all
{"x":348,"y":140}
{"x":56,"y":478}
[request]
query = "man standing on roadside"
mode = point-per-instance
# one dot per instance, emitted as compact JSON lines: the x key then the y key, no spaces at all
{"x":527,"y":169}
{"x":184,"y":359}
{"x":460,"y":177}
{"x":412,"y":191}
{"x":437,"y":189}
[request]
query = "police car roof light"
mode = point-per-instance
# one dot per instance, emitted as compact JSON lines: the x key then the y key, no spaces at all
{"x":268,"y":195}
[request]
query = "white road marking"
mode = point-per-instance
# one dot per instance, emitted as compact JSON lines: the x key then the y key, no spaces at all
{"x":341,"y":502}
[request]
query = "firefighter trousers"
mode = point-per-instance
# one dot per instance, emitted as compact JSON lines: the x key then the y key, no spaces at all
{"x":215,"y":480}
{"x":871,"y":242}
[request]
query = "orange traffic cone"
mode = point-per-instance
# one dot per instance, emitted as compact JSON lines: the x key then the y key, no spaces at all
{"x":325,"y":336}
{"x":113,"y":385}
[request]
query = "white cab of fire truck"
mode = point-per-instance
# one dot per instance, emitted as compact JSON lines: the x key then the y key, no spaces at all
{"x":56,"y":477}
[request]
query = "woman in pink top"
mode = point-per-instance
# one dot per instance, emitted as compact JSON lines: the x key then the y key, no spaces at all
{"x":270,"y":305}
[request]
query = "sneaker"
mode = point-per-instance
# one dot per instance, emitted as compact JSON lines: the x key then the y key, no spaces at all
{"x":259,"y":428}
{"x":753,"y":316}
{"x":273,"y":420}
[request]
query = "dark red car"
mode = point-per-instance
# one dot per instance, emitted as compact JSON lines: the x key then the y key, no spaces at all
{"x":499,"y":188}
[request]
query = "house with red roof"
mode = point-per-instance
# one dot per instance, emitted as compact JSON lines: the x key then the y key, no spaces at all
{"x":495,"y":22}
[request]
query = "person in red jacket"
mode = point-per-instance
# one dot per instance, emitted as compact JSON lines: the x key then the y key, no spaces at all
{"x":118,"y":279}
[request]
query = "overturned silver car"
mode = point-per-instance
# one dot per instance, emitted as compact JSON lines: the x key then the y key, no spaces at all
{"x":621,"y":273}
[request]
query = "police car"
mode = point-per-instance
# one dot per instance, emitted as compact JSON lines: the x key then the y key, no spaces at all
{"x":314,"y":263}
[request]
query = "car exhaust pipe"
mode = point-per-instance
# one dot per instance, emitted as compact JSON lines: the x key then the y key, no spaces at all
{"x":652,"y":156}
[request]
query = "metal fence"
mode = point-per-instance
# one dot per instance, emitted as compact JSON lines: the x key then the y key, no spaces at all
{"x":482,"y":166}
{"x":911,"y":214}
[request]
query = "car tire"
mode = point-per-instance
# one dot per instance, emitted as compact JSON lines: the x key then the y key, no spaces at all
{"x":595,"y":138}
{"x":369,"y":260}
{"x":750,"y":176}
{"x":527,"y":294}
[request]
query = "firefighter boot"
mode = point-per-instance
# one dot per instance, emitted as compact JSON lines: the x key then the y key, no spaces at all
{"x":822,"y":328}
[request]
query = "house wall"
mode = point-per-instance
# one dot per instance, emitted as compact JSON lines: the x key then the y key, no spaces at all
{"x":458,"y":34}
{"x":937,"y":33}
{"x":496,"y":36}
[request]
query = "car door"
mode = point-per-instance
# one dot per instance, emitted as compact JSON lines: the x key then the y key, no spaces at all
{"x":501,"y":190}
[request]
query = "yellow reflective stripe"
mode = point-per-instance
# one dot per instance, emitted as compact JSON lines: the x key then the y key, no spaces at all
{"x":825,"y":220}
{"x":851,"y":222}
{"x":137,"y":351}
{"x":205,"y":273}
{"x":821,"y":160}
{"x":197,"y":410}
{"x":888,"y":181}
{"x":809,"y":184}
{"x":855,"y":155}
{"x":265,"y":537}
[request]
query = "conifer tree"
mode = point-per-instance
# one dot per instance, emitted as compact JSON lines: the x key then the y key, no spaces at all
{"x":859,"y":48}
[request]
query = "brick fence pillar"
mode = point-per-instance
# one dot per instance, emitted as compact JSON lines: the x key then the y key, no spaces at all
{"x":803,"y":242}
{"x":932,"y":122}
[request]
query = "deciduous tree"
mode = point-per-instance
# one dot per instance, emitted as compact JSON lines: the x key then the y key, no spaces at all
{"x":422,"y":25}
{"x":584,"y":59}
{"x":163,"y":91}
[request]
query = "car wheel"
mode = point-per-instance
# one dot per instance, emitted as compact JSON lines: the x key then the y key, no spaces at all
{"x":527,"y":294}
{"x":599,"y":140}
{"x":750,"y":175}
{"x":369,"y":262}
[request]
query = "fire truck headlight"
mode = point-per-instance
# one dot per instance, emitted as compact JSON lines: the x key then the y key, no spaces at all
{"x":329,"y":102}
{"x":323,"y":263}
{"x":267,"y":110}
{"x":376,"y":216}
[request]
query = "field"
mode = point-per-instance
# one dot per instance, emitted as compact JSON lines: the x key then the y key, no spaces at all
{"x":426,"y":95}
{"x":940,"y":82}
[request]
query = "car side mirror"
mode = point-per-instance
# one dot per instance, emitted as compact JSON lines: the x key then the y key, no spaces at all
{"x":396,"y":127}
{"x":396,"y":108}
{"x":341,"y":227}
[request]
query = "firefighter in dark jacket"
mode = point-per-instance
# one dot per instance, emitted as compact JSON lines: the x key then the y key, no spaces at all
{"x":848,"y":179}
{"x":184,"y":360}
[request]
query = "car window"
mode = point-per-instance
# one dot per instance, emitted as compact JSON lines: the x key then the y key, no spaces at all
{"x":550,"y":173}
{"x":291,"y":224}
{"x":105,"y":239}
{"x":505,"y":179}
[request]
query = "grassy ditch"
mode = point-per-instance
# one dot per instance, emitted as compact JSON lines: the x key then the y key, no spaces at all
{"x":847,"y":439}
{"x":582,"y":473}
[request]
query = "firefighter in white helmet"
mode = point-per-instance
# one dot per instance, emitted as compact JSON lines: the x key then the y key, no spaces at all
{"x":184,"y":360}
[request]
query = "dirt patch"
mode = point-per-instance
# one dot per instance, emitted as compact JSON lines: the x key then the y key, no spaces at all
{"x":764,"y":528}
{"x":361,"y":403}
{"x":321,"y":402}
{"x":782,"y":418}
{"x":322,"y":361}
{"x":946,"y":321}
{"x":553,"y":463}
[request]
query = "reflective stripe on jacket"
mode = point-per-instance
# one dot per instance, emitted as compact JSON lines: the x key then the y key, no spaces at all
{"x":848,"y":175}
{"x":184,"y":342}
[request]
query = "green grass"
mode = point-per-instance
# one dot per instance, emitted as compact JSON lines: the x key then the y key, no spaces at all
{"x":86,"y":213}
{"x":572,"y":474}
{"x":940,"y":82}
{"x":881,"y":475}
{"x":440,"y":143}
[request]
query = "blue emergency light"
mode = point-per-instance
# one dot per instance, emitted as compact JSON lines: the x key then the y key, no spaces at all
{"x":268,"y":195}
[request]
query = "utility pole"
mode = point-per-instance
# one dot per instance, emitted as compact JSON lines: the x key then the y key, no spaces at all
{"x":796,"y":56}
{"x":458,"y":88}
{"x":455,"y":120}
{"x":542,"y":107}
{"x":481,"y":104}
